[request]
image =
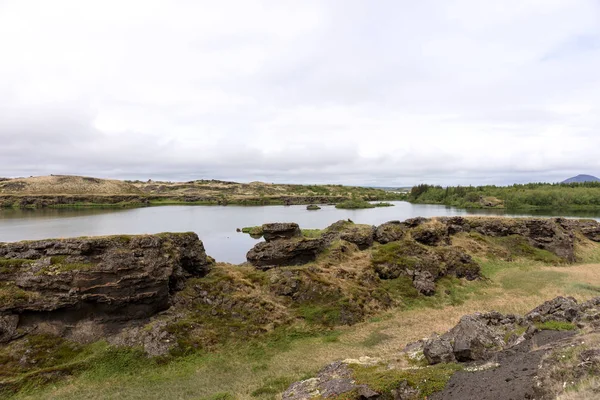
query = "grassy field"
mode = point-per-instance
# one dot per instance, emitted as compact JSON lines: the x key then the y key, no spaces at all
{"x":263,"y":369}
{"x":77,"y":191}
{"x":533,"y":196}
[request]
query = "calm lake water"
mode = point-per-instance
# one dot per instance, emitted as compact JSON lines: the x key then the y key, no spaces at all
{"x":215,"y":225}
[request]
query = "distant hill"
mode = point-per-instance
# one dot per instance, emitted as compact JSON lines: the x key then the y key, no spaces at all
{"x":581,"y":179}
{"x":66,"y":184}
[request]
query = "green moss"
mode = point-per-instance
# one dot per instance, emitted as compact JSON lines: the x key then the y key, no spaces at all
{"x":253,"y":230}
{"x":273,"y":386}
{"x":312,"y":233}
{"x":427,"y":380}
{"x":322,"y":314}
{"x":401,"y":287}
{"x":12,"y":295}
{"x":354,"y":204}
{"x":383,"y":204}
{"x":518,"y":246}
{"x":375,"y":338}
{"x":516,"y":332}
{"x":59,"y":264}
{"x":219,"y":396}
{"x":556,"y":326}
{"x":9,"y":265}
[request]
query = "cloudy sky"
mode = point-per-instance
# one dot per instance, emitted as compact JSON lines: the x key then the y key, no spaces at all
{"x":379,"y":92}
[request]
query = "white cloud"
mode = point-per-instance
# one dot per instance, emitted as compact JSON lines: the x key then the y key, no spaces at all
{"x":353,"y":91}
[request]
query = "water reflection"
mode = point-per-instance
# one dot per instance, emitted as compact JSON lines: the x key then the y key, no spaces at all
{"x":215,"y":225}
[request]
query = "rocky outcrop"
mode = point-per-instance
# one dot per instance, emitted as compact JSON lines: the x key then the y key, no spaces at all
{"x":285,"y":245}
{"x":296,"y":251}
{"x":486,"y":356}
{"x":359,"y":234}
{"x":556,"y":235}
{"x":333,"y":380}
{"x":390,"y":232}
{"x":282,"y":230}
{"x":85,"y":288}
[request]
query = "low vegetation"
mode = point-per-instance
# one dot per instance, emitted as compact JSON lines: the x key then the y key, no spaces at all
{"x":258,"y":326}
{"x":354,"y":204}
{"x":532,"y":196}
{"x":62,"y":191}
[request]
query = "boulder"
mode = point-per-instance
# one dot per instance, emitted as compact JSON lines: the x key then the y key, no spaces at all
{"x":425,"y":283}
{"x":280,"y":230}
{"x":438,"y":350}
{"x":295,"y":251}
{"x":389,"y":232}
{"x":470,"y":340}
{"x":473,"y":340}
{"x":359,"y":234}
{"x":334,"y":380}
{"x":431,"y":234}
{"x":557,"y":309}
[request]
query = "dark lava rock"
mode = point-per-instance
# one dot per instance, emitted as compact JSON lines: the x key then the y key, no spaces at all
{"x":313,"y":207}
{"x":438,"y":350}
{"x":432,"y":234}
{"x":590,"y":229}
{"x":60,"y":285}
{"x":333,"y":380}
{"x":281,"y":230}
{"x":557,"y":309}
{"x":390,"y":232}
{"x":295,"y":251}
{"x":470,"y":340}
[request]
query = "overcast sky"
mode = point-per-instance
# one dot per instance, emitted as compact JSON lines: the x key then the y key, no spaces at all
{"x":379,"y":92}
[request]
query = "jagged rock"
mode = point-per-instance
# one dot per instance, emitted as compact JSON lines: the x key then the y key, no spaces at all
{"x":470,"y":340}
{"x":424,"y":283}
{"x":295,"y":251}
{"x":390,"y":232}
{"x":8,"y":327}
{"x":557,"y":309}
{"x":280,"y":230}
{"x":361,"y":235}
{"x":333,"y":380}
{"x":431,"y":234}
{"x":414,"y":222}
{"x":89,"y":287}
{"x":590,"y":229}
{"x":438,"y":350}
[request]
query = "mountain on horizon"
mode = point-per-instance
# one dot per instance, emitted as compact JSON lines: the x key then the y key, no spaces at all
{"x":581,"y":179}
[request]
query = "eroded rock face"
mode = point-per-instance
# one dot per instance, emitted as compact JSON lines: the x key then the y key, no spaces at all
{"x":87,"y":287}
{"x":390,"y":232}
{"x":280,"y":230}
{"x":556,"y":235}
{"x":296,"y":251}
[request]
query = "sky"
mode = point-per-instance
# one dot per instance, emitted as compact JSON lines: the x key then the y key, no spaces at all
{"x":383,"y":93}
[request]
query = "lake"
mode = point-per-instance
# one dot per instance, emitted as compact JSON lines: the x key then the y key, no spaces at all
{"x":215,"y":225}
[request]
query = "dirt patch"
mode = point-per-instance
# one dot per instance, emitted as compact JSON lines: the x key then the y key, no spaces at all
{"x":512,"y":379}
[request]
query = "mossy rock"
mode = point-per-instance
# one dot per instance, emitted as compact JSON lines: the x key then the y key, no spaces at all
{"x":313,"y":207}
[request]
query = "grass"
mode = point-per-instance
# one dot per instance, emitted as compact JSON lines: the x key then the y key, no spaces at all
{"x":428,"y":380}
{"x":555,"y":326}
{"x":354,"y":204}
{"x":253,"y":230}
{"x":243,"y":367}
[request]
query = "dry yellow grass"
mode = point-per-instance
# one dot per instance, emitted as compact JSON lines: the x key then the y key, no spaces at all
{"x":66,"y":184}
{"x":234,"y":373}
